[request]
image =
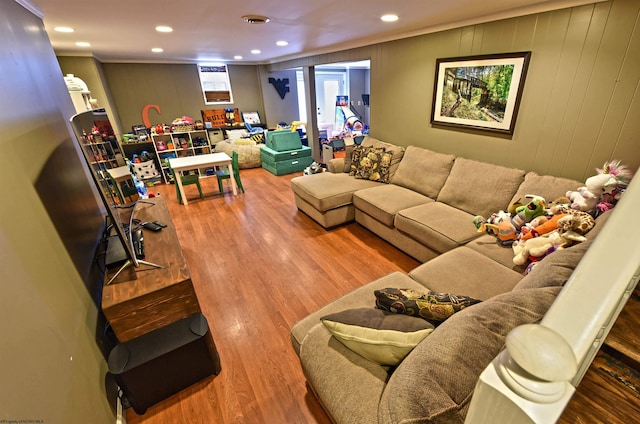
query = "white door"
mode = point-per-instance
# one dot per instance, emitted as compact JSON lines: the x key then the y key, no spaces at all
{"x":328,"y":86}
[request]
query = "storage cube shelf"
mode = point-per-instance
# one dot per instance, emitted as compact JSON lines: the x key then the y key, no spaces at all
{"x":179,"y":144}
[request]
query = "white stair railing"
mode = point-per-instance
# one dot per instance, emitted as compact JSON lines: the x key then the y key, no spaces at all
{"x":534,"y":378}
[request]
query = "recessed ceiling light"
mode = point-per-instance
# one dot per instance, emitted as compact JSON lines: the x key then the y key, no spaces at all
{"x":157,"y":50}
{"x":389,"y":18}
{"x":63,"y":29}
{"x":255,"y":19}
{"x":256,"y":51}
{"x":282,"y":43}
{"x":237,"y":57}
{"x":83,"y":44}
{"x":163,"y":28}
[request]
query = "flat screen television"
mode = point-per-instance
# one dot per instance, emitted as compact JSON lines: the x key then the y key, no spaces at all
{"x":120,"y":214}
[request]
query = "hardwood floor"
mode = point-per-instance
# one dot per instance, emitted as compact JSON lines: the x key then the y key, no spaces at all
{"x":259,"y":266}
{"x":610,"y":391}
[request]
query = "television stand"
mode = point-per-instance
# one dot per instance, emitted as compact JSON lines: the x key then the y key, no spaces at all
{"x":141,"y":299}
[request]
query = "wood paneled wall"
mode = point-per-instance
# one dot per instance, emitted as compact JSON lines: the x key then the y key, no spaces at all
{"x":580,"y":105}
{"x":581,"y":102}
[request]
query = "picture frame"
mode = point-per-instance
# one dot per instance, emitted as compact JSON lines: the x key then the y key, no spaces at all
{"x":479,"y":92}
{"x":251,"y":118}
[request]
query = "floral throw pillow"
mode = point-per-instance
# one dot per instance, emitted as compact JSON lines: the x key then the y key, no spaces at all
{"x":431,"y":306}
{"x":358,"y":152}
{"x":369,"y":163}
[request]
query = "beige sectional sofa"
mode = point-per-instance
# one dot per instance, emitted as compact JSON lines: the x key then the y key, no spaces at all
{"x":427,"y":210}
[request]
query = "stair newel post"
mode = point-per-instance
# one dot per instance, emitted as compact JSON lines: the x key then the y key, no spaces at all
{"x":529,"y":382}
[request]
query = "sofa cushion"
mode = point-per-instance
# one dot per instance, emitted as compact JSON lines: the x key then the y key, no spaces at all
{"x":466,"y":272}
{"x":437,"y":225}
{"x":348,"y":385}
{"x":435,"y":382}
{"x":326,"y":190}
{"x":480,"y":188}
{"x":429,"y":305}
{"x":384,"y":201}
{"x":488,"y":246}
{"x":361,"y":297}
{"x":398,"y":152}
{"x":381,"y":337}
{"x":546,"y":186}
{"x":423,"y":171}
{"x":555,"y":269}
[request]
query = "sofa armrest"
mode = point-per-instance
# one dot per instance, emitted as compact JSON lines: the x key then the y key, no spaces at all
{"x":336,"y":165}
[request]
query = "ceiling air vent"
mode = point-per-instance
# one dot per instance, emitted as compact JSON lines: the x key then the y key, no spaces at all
{"x":255,"y":19}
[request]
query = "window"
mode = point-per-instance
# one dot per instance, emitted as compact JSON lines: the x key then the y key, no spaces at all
{"x":216,"y":87}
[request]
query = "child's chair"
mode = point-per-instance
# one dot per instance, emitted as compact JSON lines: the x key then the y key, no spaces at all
{"x":185,"y":180}
{"x":223,"y":174}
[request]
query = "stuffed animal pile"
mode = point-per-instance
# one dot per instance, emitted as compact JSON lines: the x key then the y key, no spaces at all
{"x":534,"y":229}
{"x":506,"y":226}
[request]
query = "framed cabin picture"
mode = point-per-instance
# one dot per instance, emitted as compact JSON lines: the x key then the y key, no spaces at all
{"x":479,"y":92}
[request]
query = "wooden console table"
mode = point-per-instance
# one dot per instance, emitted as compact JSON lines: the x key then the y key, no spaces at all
{"x":143,"y":299}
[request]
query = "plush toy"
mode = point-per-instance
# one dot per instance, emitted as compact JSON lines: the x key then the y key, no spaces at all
{"x":525,"y":213}
{"x":583,"y":199}
{"x":537,"y":247}
{"x":559,"y":205}
{"x":497,"y":217}
{"x":621,"y":173}
{"x":546,"y":227}
{"x":505,"y":232}
{"x":578,"y":222}
{"x":314,"y":168}
{"x":507,"y":228}
{"x":606,"y":186}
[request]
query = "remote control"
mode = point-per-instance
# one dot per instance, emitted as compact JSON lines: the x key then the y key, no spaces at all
{"x":152,"y":226}
{"x":138,"y":243}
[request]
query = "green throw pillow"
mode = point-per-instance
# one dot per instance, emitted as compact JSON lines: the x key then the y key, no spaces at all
{"x":431,"y":306}
{"x":376,"y":335}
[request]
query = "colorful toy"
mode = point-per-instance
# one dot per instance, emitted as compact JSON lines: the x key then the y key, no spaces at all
{"x":577,"y":222}
{"x":607,"y":186}
{"x":538,"y":247}
{"x":525,"y":213}
{"x":314,"y":168}
{"x":549,"y":225}
{"x":505,"y":232}
{"x":559,"y":205}
{"x":583,"y":199}
{"x":497,"y":217}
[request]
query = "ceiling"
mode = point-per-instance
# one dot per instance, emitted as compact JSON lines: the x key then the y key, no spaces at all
{"x":206,"y":31}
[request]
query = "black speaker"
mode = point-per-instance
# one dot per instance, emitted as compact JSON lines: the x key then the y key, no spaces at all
{"x":165,"y":361}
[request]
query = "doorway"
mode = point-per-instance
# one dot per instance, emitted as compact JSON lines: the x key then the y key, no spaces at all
{"x":351,"y":79}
